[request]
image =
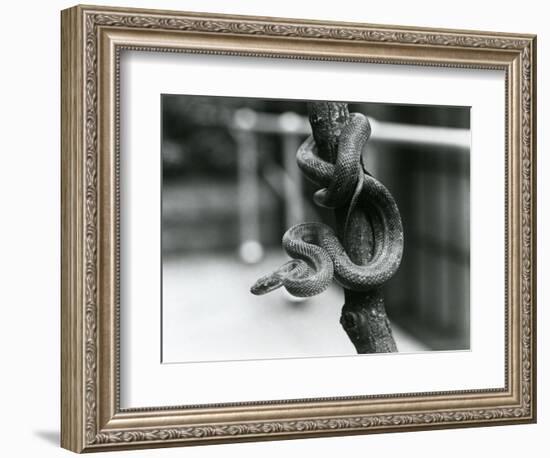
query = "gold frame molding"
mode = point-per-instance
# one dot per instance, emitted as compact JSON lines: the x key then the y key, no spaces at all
{"x":92,"y":39}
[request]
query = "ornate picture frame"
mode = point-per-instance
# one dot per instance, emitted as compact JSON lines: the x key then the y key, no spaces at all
{"x":92,"y":41}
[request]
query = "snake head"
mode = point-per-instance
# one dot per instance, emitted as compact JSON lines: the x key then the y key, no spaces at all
{"x":266,"y":284}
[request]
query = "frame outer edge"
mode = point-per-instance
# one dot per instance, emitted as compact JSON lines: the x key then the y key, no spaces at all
{"x":73,"y":388}
{"x":533,"y":254}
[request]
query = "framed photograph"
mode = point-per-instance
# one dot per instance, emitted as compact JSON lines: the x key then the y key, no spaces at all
{"x":277,"y":228}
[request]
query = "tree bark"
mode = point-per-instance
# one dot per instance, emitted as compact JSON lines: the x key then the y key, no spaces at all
{"x":364,"y":315}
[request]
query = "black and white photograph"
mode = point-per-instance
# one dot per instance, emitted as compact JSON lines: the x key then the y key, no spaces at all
{"x":282,"y":226}
{"x":296,"y":228}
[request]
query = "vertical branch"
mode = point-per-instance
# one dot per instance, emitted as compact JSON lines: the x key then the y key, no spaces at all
{"x":364,"y":315}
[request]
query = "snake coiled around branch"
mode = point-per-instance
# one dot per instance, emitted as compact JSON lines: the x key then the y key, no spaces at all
{"x":318,"y":254}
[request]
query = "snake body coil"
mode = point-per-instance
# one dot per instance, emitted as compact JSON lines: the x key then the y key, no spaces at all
{"x":318,"y":254}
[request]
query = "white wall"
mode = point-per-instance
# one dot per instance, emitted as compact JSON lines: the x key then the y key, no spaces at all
{"x":29,"y":241}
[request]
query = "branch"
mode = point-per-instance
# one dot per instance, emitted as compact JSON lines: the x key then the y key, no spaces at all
{"x":364,"y":315}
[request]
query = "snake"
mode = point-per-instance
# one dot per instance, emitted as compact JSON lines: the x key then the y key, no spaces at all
{"x":318,"y":255}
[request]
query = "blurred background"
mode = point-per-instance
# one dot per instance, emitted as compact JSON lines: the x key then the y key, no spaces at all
{"x":231,"y":188}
